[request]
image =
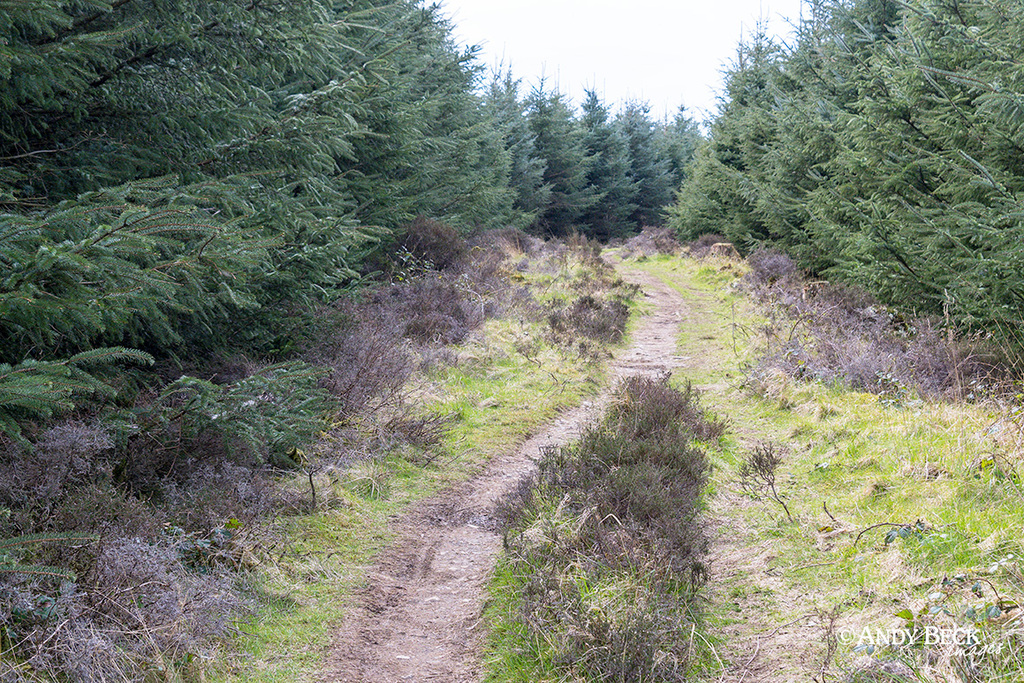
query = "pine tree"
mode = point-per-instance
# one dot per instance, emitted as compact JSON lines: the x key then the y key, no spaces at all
{"x":431,"y":148}
{"x":676,"y":142}
{"x":611,"y":216}
{"x":526,"y":175}
{"x":722,"y":190}
{"x":647,"y":168}
{"x":250,"y":101}
{"x":559,"y":142}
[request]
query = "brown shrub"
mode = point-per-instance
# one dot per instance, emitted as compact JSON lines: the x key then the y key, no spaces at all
{"x":768,"y":266}
{"x":367,"y":360}
{"x":433,"y":244}
{"x":652,"y":241}
{"x":438,"y":310}
{"x":591,"y":318}
{"x":701,"y":247}
{"x":836,"y":332}
{"x":649,"y":406}
{"x":509,"y":242}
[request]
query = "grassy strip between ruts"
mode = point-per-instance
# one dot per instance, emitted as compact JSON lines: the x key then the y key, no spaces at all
{"x":605,"y":548}
{"x":509,"y":379}
{"x":914,"y":568}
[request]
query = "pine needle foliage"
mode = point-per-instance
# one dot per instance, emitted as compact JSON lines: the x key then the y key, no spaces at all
{"x":266,"y":417}
{"x":883,"y":147}
{"x":120,"y":265}
{"x":37,"y":390}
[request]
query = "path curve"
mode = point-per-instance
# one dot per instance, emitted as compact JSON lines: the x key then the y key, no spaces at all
{"x":420,"y":616}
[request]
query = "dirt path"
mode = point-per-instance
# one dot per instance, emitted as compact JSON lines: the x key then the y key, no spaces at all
{"x":767,"y":626}
{"x":419,"y":619}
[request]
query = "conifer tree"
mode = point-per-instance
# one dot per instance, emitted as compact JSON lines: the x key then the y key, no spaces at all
{"x":430,"y":147}
{"x":181,"y":175}
{"x":676,"y":142}
{"x":647,"y":168}
{"x":248,"y":101}
{"x":526,"y":175}
{"x":559,"y":142}
{"x":611,"y":216}
{"x":721,"y":192}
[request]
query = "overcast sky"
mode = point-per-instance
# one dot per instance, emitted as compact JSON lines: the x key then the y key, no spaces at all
{"x":667,"y":52}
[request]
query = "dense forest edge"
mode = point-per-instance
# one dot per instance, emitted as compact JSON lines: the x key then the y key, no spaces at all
{"x":881,"y":147}
{"x":242,"y":244}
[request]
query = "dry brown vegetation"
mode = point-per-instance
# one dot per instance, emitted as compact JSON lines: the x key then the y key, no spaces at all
{"x":176,"y":512}
{"x":833,"y":332}
{"x":605,"y":543}
{"x":650,"y":242}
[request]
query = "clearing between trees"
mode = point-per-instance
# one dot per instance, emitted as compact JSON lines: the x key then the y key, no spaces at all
{"x":420,"y":616}
{"x":870,"y":521}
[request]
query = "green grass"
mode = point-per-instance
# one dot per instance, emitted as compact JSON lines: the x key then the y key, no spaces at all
{"x":507,"y":383}
{"x":871,"y":460}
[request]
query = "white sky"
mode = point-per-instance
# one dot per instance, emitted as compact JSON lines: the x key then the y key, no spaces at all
{"x":668,"y":53}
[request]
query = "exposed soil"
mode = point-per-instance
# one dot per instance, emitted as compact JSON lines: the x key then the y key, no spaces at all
{"x":419,"y":618}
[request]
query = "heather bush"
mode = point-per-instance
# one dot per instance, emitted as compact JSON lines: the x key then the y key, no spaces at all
{"x":153,"y":587}
{"x":768,"y":266}
{"x":367,"y":361}
{"x":204,"y":494}
{"x":597,"y":317}
{"x":590,"y":318}
{"x":139,"y":602}
{"x":429,"y":310}
{"x":138,"y":609}
{"x":33,"y":482}
{"x":434,"y":244}
{"x":839,"y":333}
{"x":509,"y":242}
{"x":654,"y":407}
{"x":701,"y":247}
{"x":650,"y":242}
{"x":616,"y":515}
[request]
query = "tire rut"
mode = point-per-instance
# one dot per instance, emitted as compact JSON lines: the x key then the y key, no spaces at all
{"x":420,"y":616}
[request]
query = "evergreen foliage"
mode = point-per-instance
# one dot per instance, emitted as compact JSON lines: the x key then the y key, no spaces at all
{"x":187,"y":177}
{"x":40,"y":389}
{"x":526,"y":173}
{"x":883,"y":147}
{"x":559,"y":143}
{"x":676,"y":142}
{"x":609,"y":173}
{"x":648,"y":170}
{"x":267,"y":416}
{"x":430,"y":146}
{"x":122,"y":265}
{"x":186,"y":186}
{"x":11,"y":564}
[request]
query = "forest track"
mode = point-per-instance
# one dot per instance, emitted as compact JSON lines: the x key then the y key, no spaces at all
{"x":419,"y":618}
